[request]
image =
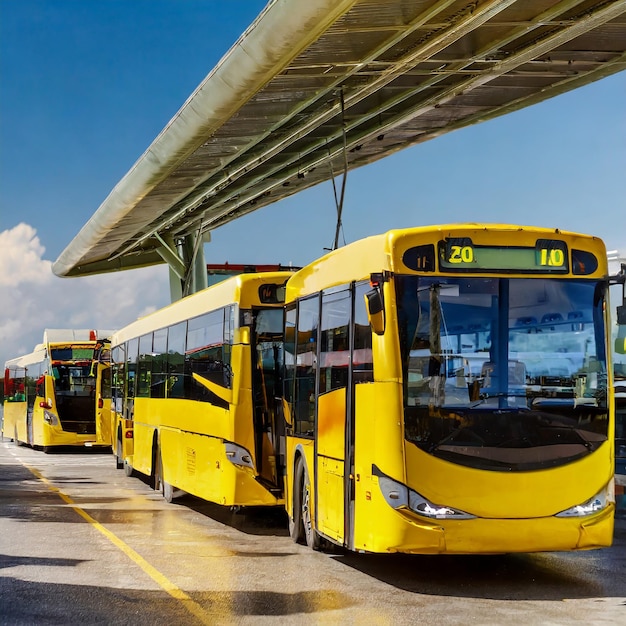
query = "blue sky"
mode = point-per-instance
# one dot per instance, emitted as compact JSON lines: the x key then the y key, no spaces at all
{"x":85,"y":87}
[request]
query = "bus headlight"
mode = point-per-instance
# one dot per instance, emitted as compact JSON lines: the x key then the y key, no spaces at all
{"x":50,"y":418}
{"x":396,"y":494}
{"x":238,"y":455}
{"x":420,"y":505}
{"x":599,"y":502}
{"x":399,"y":496}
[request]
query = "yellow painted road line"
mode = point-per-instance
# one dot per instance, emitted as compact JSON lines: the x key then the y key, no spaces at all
{"x":176,"y":592}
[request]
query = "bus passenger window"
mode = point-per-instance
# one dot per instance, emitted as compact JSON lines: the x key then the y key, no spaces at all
{"x":306,"y":365}
{"x":362,"y":361}
{"x":335,"y":341}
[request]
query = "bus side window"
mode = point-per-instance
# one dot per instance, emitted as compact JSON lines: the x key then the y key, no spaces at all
{"x":306,"y":365}
{"x":335,"y":347}
{"x":363,"y":365}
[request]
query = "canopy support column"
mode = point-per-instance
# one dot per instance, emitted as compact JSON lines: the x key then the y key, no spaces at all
{"x":185,"y":259}
{"x":193,"y":254}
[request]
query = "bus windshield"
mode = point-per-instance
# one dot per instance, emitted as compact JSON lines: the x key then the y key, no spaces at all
{"x":503,"y":374}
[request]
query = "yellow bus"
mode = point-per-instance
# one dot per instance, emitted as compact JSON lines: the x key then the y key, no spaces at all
{"x":50,"y":393}
{"x":194,"y":388}
{"x":446,"y":390}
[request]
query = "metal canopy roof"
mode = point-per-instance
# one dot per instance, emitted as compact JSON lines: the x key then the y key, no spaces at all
{"x":267,"y":122}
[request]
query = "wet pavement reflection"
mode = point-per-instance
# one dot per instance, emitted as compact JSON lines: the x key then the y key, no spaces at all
{"x":134,"y":559}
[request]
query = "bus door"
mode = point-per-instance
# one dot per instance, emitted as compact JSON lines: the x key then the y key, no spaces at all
{"x":103,"y":404}
{"x":128,"y":408}
{"x":30,"y":408}
{"x":333,"y":424}
{"x":32,"y":387}
{"x":267,"y":342}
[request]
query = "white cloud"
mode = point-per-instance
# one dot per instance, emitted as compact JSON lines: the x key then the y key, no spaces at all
{"x":32,"y":298}
{"x":20,"y":257}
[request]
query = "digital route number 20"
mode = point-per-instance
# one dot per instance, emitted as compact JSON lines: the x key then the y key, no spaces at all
{"x":461,"y":254}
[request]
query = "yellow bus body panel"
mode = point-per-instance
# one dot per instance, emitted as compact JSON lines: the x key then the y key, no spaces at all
{"x":104,"y":434}
{"x":515,"y":495}
{"x":119,"y":430}
{"x":15,"y":420}
{"x":330,"y":488}
{"x":331,"y":425}
{"x":195,"y":461}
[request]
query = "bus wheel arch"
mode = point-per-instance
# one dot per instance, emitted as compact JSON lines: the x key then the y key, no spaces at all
{"x":296,"y":529}
{"x":168,"y":491}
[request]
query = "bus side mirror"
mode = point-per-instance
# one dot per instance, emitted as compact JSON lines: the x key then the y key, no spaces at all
{"x":375,"y":311}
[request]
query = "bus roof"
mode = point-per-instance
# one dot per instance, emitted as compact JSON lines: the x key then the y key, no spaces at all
{"x":242,"y":289}
{"x":67,"y":335}
{"x":357,"y":260}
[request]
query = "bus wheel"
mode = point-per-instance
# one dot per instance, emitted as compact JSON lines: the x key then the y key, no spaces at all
{"x":170,"y":493}
{"x":119,"y":461}
{"x":128,"y":468}
{"x":310,"y":534}
{"x":296,"y":530}
{"x":157,"y":469}
{"x":168,"y":490}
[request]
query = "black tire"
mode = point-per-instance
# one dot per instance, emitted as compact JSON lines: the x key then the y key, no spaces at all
{"x":296,"y":529}
{"x":169,"y":492}
{"x":310,"y":534}
{"x":157,"y":469}
{"x":119,"y":461}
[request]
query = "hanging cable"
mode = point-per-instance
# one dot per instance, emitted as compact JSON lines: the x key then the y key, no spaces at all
{"x":339,"y":202}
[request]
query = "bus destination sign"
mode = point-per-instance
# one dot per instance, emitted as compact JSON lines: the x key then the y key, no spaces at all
{"x":461,"y":254}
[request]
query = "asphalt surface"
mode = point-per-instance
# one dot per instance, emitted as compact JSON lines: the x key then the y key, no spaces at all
{"x":81,"y":543}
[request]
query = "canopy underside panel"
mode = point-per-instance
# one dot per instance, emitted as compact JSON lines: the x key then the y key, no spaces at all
{"x":307,"y":79}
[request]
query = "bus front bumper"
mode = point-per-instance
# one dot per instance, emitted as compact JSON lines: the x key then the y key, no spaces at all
{"x":501,"y":536}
